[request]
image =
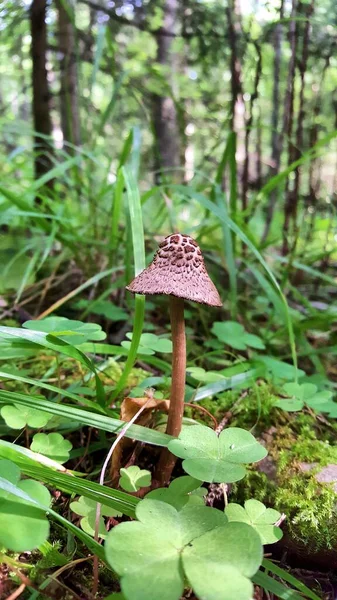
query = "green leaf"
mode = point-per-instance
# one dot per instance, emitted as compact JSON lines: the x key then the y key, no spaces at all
{"x":150,"y":344}
{"x":17,"y":417}
{"x":262,"y":519}
{"x":200,"y":374}
{"x":133,"y":478}
{"x":285,"y":576}
{"x":181,"y":491}
{"x":27,"y":461}
{"x":233,"y":334}
{"x":137,"y":432}
{"x":305,"y":393}
{"x":74,"y":332}
{"x":278,"y":369}
{"x":52,"y":445}
{"x":23,"y":525}
{"x":213,"y":458}
{"x":9,"y":471}
{"x":84,"y":506}
{"x":147,"y":553}
{"x":87,"y":509}
{"x":219,"y":564}
{"x":104,"y":308}
{"x":27,"y":338}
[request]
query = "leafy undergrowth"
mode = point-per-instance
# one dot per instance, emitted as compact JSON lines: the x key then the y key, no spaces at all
{"x":57,"y":405}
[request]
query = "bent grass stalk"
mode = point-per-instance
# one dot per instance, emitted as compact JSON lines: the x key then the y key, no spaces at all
{"x":101,"y":481}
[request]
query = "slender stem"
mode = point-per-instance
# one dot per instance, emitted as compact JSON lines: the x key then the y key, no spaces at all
{"x":101,"y":481}
{"x":177,"y":395}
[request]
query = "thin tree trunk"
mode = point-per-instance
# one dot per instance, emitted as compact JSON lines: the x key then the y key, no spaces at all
{"x":237,"y":107}
{"x":165,"y":117}
{"x":69,"y":99}
{"x":249,"y":123}
{"x":41,"y":95}
{"x":288,"y":117}
{"x":292,"y":198}
{"x":276,"y":148}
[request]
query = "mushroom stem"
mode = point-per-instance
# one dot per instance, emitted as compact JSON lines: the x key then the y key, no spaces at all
{"x":177,"y":394}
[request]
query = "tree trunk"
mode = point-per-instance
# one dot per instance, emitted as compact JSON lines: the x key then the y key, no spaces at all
{"x":69,"y":100}
{"x":276,"y":140}
{"x":288,"y":118}
{"x":249,"y":124}
{"x":165,"y":117}
{"x":237,"y":107}
{"x":292,"y":199}
{"x":41,"y":96}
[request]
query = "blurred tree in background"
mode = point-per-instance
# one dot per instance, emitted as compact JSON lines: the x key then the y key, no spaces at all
{"x":243,"y":93}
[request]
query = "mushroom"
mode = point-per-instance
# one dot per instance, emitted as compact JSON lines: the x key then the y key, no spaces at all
{"x":178,"y":271}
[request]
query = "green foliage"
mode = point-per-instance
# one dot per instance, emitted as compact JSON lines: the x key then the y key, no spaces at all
{"x":74,"y":332}
{"x":181,"y":491}
{"x":23,"y":525}
{"x":86,"y":508}
{"x":213,"y":458}
{"x":163,"y":545}
{"x":200,"y":374}
{"x":279,"y":370}
{"x":133,"y":478}
{"x":103,"y":308}
{"x":306,"y":393}
{"x":258,"y":516}
{"x":150,"y":344}
{"x":17,"y":417}
{"x":233,"y":334}
{"x":53,"y":445}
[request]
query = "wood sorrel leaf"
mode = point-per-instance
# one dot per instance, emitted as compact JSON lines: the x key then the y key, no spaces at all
{"x":213,"y":458}
{"x":181,"y":491}
{"x":258,"y":516}
{"x":133,"y":478}
{"x":219,"y":563}
{"x":155,"y":554}
{"x":23,"y":525}
{"x":52,"y":445}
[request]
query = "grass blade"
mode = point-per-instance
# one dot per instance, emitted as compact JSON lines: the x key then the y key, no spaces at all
{"x":105,"y":423}
{"x":136,"y":220}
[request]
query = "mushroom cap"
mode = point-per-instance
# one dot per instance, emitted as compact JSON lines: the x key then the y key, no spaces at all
{"x":178,"y":269}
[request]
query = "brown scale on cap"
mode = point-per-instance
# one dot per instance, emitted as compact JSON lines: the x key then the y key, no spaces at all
{"x":178,"y":269}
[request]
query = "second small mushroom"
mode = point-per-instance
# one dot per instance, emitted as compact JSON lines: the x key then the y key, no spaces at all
{"x":178,"y":271}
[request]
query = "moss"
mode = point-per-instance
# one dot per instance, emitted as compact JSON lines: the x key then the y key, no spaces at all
{"x":311,"y":511}
{"x":113,"y":371}
{"x":250,"y":408}
{"x":310,"y":507}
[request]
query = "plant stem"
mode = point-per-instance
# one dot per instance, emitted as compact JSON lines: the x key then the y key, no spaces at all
{"x":177,"y":395}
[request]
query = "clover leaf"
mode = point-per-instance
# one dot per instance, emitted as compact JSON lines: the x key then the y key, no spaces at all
{"x":305,"y":393}
{"x":234,"y":334}
{"x":133,"y":478}
{"x":52,"y":445}
{"x":74,"y":332}
{"x":86,"y":508}
{"x":213,"y":458}
{"x":23,"y":525}
{"x":150,"y":343}
{"x":181,"y":491}
{"x":104,"y":308}
{"x":258,"y":516}
{"x":278,"y":369}
{"x":155,"y":554}
{"x":200,"y":374}
{"x":18,"y":416}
